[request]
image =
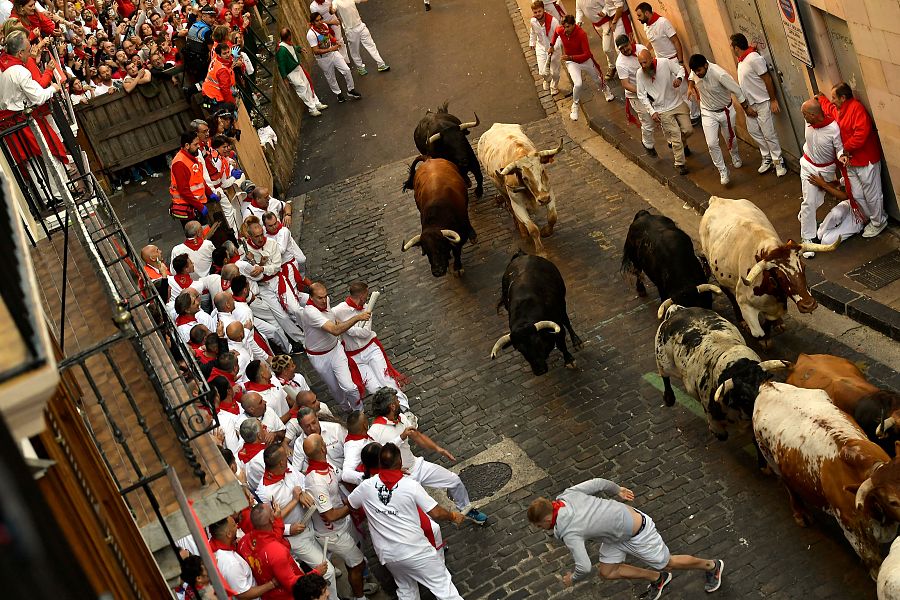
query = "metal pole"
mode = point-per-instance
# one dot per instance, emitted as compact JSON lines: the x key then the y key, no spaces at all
{"x":65,"y":277}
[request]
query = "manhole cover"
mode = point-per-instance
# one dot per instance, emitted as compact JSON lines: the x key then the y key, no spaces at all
{"x":485,"y":479}
{"x":878,"y":273}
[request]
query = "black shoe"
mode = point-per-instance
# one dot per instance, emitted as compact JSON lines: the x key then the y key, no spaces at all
{"x":354,"y":94}
{"x":427,"y":7}
{"x":695,"y":121}
{"x":297,"y":347}
{"x":682,"y":169}
{"x":342,"y":97}
{"x":652,"y":152}
{"x":687,"y":151}
{"x":655,"y":589}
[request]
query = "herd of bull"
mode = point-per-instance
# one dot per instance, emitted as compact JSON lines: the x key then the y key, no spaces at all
{"x":826,"y":433}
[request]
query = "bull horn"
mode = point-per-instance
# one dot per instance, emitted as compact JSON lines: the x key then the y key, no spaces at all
{"x":470,"y":124}
{"x":708,"y":287}
{"x":774,"y":365}
{"x":500,"y":345}
{"x":663,"y":308}
{"x":451,"y":235}
{"x":810,"y":247}
{"x":507,"y":169}
{"x":863,"y":491}
{"x":413,"y":241}
{"x":541,"y":325}
{"x":755,"y":272}
{"x":554,"y":152}
{"x":723,"y":389}
{"x":883,"y":427}
{"x":434,"y":137}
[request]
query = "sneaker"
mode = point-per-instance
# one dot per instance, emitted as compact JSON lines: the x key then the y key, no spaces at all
{"x":384,"y":68}
{"x":321,"y":106}
{"x":765,"y":165}
{"x":342,"y":97}
{"x":655,"y":589}
{"x":155,"y":175}
{"x":370,"y":588}
{"x":807,"y":253}
{"x":144,"y":182}
{"x":546,"y":86}
{"x":714,"y":577}
{"x":695,"y":121}
{"x":338,"y":573}
{"x":362,"y":70}
{"x":314,"y":113}
{"x":724,"y":179}
{"x":478,"y":517}
{"x":737,"y":164}
{"x":780,"y":169}
{"x":553,"y":89}
{"x":682,"y":169}
{"x":609,"y":95}
{"x":354,"y":94}
{"x":687,"y":151}
{"x":651,"y":152}
{"x":427,"y":6}
{"x":573,"y":114}
{"x":872,"y":230}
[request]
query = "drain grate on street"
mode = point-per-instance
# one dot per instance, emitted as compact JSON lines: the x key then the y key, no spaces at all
{"x":878,"y":273}
{"x":485,"y":479}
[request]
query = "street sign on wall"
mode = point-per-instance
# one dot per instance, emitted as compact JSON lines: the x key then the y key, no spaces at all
{"x":793,"y":29}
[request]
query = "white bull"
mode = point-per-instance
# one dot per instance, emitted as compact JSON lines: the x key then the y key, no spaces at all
{"x":517,"y":168}
{"x":753,"y":265}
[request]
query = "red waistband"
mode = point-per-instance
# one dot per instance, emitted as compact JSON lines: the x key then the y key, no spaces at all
{"x":810,"y":161}
{"x":355,"y":352}
{"x":314,"y":353}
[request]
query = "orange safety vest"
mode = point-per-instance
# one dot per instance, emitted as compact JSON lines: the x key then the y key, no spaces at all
{"x":211,"y":87}
{"x":197,"y":184}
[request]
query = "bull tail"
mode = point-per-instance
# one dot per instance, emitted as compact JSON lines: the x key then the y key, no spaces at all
{"x":408,"y":184}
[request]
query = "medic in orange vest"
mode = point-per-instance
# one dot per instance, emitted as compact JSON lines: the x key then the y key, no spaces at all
{"x":188,"y":188}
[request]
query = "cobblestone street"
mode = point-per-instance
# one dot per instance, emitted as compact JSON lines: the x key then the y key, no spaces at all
{"x":606,"y":419}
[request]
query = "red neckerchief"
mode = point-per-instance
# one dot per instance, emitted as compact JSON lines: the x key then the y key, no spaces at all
{"x":325,"y":30}
{"x":382,"y":421}
{"x":390,"y":477}
{"x":362,"y":469}
{"x":252,"y":386}
{"x":289,"y":382}
{"x":315,"y":465}
{"x":357,"y":436}
{"x":253,"y":245}
{"x":215,"y":545}
{"x":270,"y":478}
{"x":231,"y":407}
{"x":746,"y":53}
{"x":548,"y":19}
{"x":353,"y":304}
{"x":653,"y":18}
{"x":250,"y":450}
{"x":826,"y":121}
{"x":184,"y":280}
{"x":217,"y":372}
{"x":194,"y":243}
{"x":234,"y":259}
{"x":253,"y":203}
{"x":194,"y":347}
{"x":225,"y":283}
{"x":310,"y":303}
{"x":239,"y":298}
{"x":278,"y":227}
{"x":184,"y":320}
{"x":8,"y":60}
{"x":557,"y":504}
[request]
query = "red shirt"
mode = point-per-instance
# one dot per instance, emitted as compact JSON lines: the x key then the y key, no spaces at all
{"x":576,"y":47}
{"x":859,"y":137}
{"x":269,"y":557}
{"x":39,"y":20}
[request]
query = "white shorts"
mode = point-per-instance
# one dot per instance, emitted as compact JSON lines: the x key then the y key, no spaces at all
{"x":647,"y":546}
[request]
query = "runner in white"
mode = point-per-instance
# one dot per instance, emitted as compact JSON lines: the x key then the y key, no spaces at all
{"x":357,"y":438}
{"x":329,"y":16}
{"x":291,"y":381}
{"x":306,"y":424}
{"x":387,"y":428}
{"x":291,"y":283}
{"x":264,"y":319}
{"x":189,"y":314}
{"x":610,"y":20}
{"x":627,"y":66}
{"x":395,"y":506}
{"x":197,"y":246}
{"x":324,"y":350}
{"x":358,"y":33}
{"x":259,"y":380}
{"x":250,"y":456}
{"x":540,"y":30}
{"x":579,"y":61}
{"x":362,"y":346}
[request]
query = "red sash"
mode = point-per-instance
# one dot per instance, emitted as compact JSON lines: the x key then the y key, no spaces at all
{"x":626,"y":23}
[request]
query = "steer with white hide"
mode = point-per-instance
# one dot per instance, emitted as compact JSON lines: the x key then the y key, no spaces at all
{"x":825,"y":461}
{"x":889,"y":575}
{"x":755,"y":268}
{"x":716,"y":367}
{"x":518,"y":171}
{"x":534,"y":294}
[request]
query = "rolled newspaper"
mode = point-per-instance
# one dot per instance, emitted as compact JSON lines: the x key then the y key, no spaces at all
{"x":309,"y":514}
{"x":370,"y":306}
{"x":325,"y":548}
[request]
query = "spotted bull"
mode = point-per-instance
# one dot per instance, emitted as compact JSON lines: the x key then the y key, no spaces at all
{"x":716,"y":367}
{"x":443,"y":204}
{"x":825,"y":461}
{"x":442,"y":135}
{"x":752,"y":265}
{"x":534,"y":295}
{"x":518,"y":170}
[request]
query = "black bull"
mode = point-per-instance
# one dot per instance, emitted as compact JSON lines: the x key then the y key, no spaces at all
{"x":442,"y":135}
{"x":534,"y":295}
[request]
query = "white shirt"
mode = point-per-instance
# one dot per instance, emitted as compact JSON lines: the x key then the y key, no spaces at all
{"x":357,"y":336}
{"x":213,"y":283}
{"x":537,"y":32}
{"x":333,"y":435}
{"x":311,"y":320}
{"x":201,"y":318}
{"x":229,"y":423}
{"x":593,"y":10}
{"x":201,"y":257}
{"x":716,"y":88}
{"x":253,"y":468}
{"x":248,"y":208}
{"x":275,"y":398}
{"x":272,"y":255}
{"x":313,"y":38}
{"x":352,"y":459}
{"x":384,"y":431}
{"x":288,"y":246}
{"x":660,"y":34}
{"x":628,"y":66}
{"x":19,"y":90}
{"x":394,"y":520}
{"x":750,"y":72}
{"x":823,"y":145}
{"x":346,"y":10}
{"x":235,"y":570}
{"x":101,"y":88}
{"x":665,"y":97}
{"x":243,"y":357}
{"x":294,"y":386}
{"x":324,"y":487}
{"x":281,"y":492}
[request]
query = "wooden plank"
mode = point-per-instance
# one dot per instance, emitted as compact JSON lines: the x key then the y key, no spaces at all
{"x":146,"y":121}
{"x":147,"y":153}
{"x":253,"y":159}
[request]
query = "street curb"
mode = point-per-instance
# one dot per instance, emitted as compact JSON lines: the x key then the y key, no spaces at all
{"x":835,"y":297}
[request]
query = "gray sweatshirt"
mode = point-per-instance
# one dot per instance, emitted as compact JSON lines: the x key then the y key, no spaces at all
{"x":585,"y":517}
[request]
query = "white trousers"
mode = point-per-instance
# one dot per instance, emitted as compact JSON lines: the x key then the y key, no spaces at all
{"x":332,"y":64}
{"x":272,"y":333}
{"x":553,"y":71}
{"x":267,"y":307}
{"x":335,"y":372}
{"x":228,"y":211}
{"x":762,"y":130}
{"x":646,"y":121}
{"x":550,"y":7}
{"x":372,"y":366}
{"x":426,"y":569}
{"x":360,"y":35}
{"x":576,"y":69}
{"x":839,"y":223}
{"x":813,"y":196}
{"x":343,"y":544}
{"x":338,"y":34}
{"x":609,"y":34}
{"x":436,"y":476}
{"x":865,"y":185}
{"x":716,"y":123}
{"x":305,"y":548}
{"x":297,"y":78}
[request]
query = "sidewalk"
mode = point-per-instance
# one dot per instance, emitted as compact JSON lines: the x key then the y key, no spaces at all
{"x":779,"y":198}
